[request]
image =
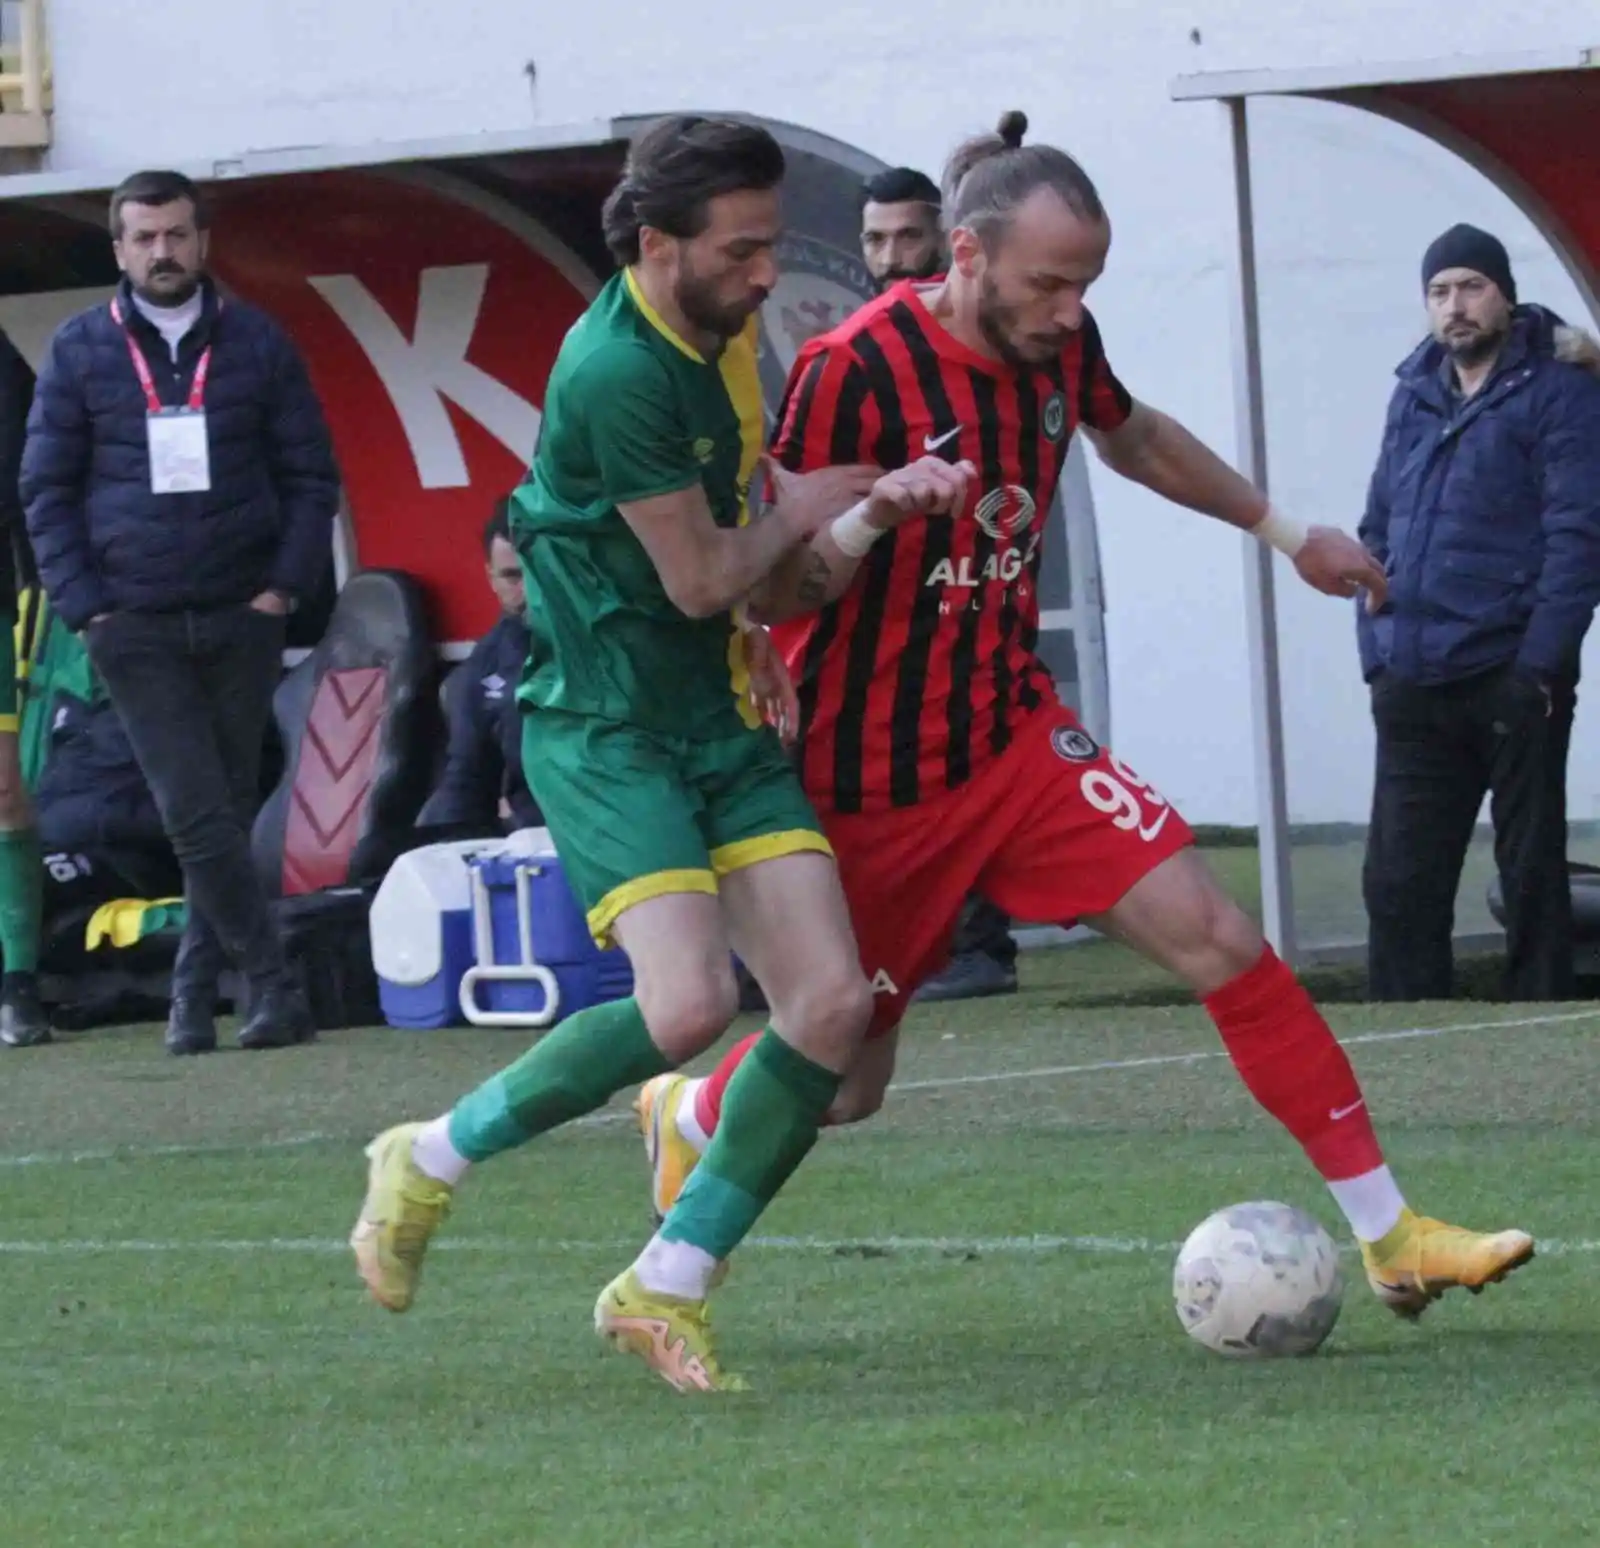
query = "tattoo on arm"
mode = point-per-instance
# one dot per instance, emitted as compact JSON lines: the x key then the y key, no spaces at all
{"x":811,"y":591}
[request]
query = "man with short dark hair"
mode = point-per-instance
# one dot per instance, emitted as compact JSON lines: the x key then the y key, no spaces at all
{"x":483,"y":756}
{"x":1484,"y":508}
{"x":180,"y":490}
{"x":901,"y":237}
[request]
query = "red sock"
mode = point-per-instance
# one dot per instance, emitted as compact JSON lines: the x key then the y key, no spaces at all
{"x":1287,"y":1056}
{"x":708,"y":1099}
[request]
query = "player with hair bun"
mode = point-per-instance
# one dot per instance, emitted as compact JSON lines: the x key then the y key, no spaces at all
{"x":931,"y":739}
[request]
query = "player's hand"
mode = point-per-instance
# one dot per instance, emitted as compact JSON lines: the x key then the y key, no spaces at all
{"x":1338,"y":566}
{"x":808,"y":502}
{"x":771,"y":686}
{"x":929,"y":486}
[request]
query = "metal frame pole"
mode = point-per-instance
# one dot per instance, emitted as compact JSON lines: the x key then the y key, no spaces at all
{"x":1266,"y":689}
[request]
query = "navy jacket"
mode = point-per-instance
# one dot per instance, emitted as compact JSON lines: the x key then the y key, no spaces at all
{"x":1486,"y":512}
{"x":483,"y":759}
{"x":102,"y":541}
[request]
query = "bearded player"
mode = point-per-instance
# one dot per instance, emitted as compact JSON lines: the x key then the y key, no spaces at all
{"x":931,"y":739}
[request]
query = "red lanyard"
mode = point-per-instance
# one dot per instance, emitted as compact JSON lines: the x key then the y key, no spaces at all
{"x":141,"y":369}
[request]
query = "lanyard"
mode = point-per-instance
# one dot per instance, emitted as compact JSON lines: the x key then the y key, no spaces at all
{"x":141,"y":369}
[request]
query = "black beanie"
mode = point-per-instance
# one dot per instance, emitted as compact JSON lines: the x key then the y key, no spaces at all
{"x":1466,"y":247}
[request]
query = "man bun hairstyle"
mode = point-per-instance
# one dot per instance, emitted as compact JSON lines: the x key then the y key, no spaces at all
{"x":988,"y":176}
{"x":676,"y":167}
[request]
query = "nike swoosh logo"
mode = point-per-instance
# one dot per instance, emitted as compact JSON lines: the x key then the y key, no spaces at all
{"x":934,"y":442}
{"x":1336,"y":1113}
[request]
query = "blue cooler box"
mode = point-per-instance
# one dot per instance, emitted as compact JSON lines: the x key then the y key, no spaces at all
{"x":448,"y":934}
{"x":527,"y":919}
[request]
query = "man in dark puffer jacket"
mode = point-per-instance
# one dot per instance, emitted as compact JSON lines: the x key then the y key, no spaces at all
{"x":1485,"y":510}
{"x":180,"y":491}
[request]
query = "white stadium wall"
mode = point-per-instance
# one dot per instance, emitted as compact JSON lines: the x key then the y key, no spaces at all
{"x":1346,"y":204}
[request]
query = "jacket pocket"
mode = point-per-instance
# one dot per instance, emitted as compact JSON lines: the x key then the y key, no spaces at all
{"x":1471,"y":587}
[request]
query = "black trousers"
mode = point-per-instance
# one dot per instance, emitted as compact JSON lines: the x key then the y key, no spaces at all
{"x":1440,"y":749}
{"x":194,"y":691}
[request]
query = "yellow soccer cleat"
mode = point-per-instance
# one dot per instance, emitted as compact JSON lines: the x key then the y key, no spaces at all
{"x":671,"y":1335}
{"x":402,"y":1210}
{"x":671,"y":1156}
{"x":1420,"y":1259}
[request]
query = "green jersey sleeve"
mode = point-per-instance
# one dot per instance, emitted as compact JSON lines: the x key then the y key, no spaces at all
{"x":639,"y":435}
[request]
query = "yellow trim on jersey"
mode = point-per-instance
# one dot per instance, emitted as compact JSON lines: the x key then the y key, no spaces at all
{"x":741,"y":375}
{"x":657,"y":321}
{"x":658,"y":884}
{"x":10,"y":725}
{"x":742,"y":855}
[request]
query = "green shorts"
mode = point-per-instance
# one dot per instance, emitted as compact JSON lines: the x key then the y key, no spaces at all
{"x":8,"y":675}
{"x":637,"y":815}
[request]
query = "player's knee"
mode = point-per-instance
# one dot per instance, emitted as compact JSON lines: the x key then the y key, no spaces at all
{"x":689,"y":1012}
{"x":829,"y":1013}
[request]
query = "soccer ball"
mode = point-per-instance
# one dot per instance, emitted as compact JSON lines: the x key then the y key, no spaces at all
{"x":1258,"y":1279}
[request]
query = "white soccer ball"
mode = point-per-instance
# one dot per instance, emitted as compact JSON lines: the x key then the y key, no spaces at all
{"x":1258,"y":1279}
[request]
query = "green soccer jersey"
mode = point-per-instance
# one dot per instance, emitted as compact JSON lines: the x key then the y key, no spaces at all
{"x":632,"y":411}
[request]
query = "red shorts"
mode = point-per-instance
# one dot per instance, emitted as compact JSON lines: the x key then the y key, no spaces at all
{"x":1055,"y":830}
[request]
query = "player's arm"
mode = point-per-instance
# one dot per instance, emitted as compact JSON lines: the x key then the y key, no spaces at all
{"x":1153,"y":449}
{"x":644,"y":454}
{"x":828,"y":417}
{"x":822,"y":570}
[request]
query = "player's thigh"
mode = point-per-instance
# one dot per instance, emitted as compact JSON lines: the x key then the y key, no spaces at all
{"x":677,"y":943}
{"x":1179,"y":916}
{"x":789,"y":923}
{"x":625,"y":820}
{"x":906,"y":875}
{"x":1081,"y":830}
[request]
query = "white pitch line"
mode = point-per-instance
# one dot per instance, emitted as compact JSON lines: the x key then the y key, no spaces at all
{"x":866,"y":1246}
{"x":939,"y":1083}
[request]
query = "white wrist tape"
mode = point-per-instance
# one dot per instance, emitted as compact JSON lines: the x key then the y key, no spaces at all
{"x":852,"y":533}
{"x":1280,"y":532}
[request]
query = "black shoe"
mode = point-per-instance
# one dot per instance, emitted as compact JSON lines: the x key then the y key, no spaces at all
{"x":192,"y":1025}
{"x":278,"y":1019}
{"x":971,"y":976}
{"x":23,"y":1023}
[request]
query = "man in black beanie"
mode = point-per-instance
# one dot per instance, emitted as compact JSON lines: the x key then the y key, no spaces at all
{"x":1485,"y":510}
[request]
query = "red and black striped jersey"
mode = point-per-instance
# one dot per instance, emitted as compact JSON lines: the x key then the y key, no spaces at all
{"x":924,"y":670}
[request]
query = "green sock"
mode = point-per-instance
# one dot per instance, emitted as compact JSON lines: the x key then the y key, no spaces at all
{"x":771,"y":1112}
{"x":21,"y":899}
{"x":571,"y":1071}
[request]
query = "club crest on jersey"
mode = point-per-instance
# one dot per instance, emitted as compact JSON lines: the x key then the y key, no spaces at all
{"x":1074,"y":744}
{"x":1055,"y":416}
{"x":1004,"y":512}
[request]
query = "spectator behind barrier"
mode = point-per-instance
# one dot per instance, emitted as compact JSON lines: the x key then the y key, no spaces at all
{"x":180,"y":490}
{"x":1485,"y":510}
{"x":483,"y":787}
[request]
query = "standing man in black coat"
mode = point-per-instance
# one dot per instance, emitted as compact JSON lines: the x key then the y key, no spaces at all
{"x":23,"y":1023}
{"x":180,"y":490}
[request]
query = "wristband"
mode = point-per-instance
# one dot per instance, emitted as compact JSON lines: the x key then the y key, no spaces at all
{"x":852,"y":533}
{"x":1281,"y":533}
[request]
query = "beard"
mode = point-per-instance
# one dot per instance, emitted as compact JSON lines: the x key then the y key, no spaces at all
{"x":698,"y":301}
{"x":998,"y":323}
{"x":168,"y":284}
{"x":1469,"y":344}
{"x":931,"y":267}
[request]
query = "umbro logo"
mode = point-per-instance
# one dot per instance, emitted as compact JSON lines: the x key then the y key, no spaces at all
{"x":932,"y":443}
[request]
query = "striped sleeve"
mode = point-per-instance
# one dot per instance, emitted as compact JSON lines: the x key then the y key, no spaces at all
{"x":1103,"y":402}
{"x":823,"y":418}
